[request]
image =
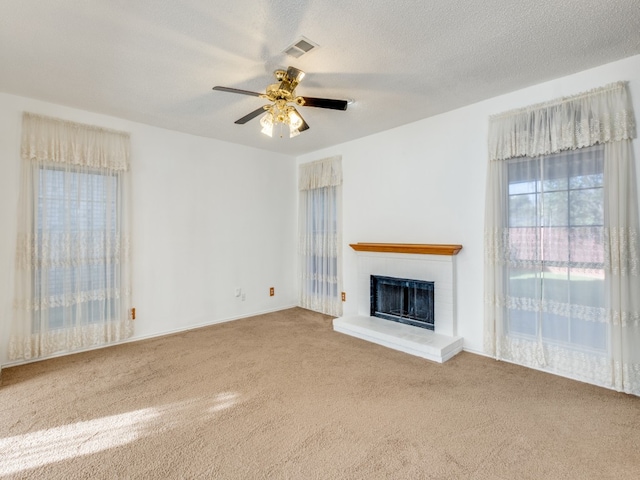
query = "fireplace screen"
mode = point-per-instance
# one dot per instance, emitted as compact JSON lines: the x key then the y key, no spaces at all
{"x":403,"y":300}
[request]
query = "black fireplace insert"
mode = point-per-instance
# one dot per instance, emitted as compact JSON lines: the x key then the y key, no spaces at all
{"x":403,"y":300}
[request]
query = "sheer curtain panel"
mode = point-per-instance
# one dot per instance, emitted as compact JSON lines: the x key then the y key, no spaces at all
{"x":562,"y":270}
{"x":320,"y":269}
{"x":72,"y":262}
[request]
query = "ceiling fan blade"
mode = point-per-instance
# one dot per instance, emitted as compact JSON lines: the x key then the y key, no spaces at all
{"x":250,"y":116}
{"x":325,"y":103}
{"x":236,"y":90}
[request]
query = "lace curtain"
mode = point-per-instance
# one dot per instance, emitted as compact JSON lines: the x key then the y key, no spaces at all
{"x":320,"y":185}
{"x":562,"y":274}
{"x":72,"y":260}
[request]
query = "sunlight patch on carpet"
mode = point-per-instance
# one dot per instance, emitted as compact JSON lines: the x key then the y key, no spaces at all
{"x":223,"y":401}
{"x":32,"y":450}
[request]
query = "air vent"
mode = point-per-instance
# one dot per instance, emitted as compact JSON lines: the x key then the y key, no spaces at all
{"x":300,"y":47}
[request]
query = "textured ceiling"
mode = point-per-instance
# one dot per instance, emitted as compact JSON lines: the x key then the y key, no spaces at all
{"x":155,"y":61}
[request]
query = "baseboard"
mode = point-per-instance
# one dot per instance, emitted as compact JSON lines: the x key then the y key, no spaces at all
{"x":477,"y":352}
{"x":205,"y":324}
{"x":146,"y":337}
{"x":548,"y":372}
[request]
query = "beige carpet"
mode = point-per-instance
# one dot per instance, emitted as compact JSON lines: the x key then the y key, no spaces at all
{"x":283,"y":396}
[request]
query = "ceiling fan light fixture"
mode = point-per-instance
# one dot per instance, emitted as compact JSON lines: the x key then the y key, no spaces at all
{"x":283,"y":119}
{"x":266,"y":122}
{"x":293,"y":132}
{"x":280,"y":115}
{"x":268,"y":131}
{"x":295,"y":121}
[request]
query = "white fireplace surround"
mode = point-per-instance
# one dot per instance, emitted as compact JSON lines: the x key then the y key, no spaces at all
{"x":438,"y":345}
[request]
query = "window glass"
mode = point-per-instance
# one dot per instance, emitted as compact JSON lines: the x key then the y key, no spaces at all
{"x":78,"y":212}
{"x":556,"y":247}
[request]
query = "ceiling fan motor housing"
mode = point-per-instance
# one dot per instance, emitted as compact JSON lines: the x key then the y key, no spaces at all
{"x":289,"y":80}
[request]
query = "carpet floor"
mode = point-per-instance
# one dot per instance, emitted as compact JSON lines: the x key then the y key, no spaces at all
{"x":283,"y":396}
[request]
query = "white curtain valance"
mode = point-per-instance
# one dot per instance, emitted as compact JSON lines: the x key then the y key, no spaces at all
{"x":598,"y":116}
{"x":322,"y":173}
{"x":46,"y":139}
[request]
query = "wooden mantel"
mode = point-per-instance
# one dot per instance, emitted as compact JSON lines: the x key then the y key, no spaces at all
{"x":418,"y":248}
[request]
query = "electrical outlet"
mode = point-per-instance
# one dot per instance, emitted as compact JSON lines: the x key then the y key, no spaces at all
{"x":344,"y":296}
{"x":244,"y":297}
{"x":272,"y":291}
{"x":238,"y":291}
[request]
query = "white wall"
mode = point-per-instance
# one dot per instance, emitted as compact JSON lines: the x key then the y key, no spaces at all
{"x":208,"y":216}
{"x":425,"y":183}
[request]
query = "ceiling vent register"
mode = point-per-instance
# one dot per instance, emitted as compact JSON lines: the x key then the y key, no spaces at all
{"x":300,"y":47}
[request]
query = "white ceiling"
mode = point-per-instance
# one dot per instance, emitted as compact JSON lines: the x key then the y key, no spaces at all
{"x":155,"y":61}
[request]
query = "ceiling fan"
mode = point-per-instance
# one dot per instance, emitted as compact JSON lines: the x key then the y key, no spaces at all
{"x":281,"y":110}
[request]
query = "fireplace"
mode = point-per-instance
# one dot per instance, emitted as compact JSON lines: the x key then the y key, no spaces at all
{"x":403,"y":300}
{"x":406,"y":269}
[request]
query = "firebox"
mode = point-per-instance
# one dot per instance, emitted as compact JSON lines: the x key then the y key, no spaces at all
{"x":403,"y":300}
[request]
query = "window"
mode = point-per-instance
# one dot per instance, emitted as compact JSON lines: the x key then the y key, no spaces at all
{"x":319,"y":223}
{"x":72,"y":270}
{"x":562,"y":255}
{"x":78,"y":213}
{"x":322,"y":223}
{"x":556,"y":246}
